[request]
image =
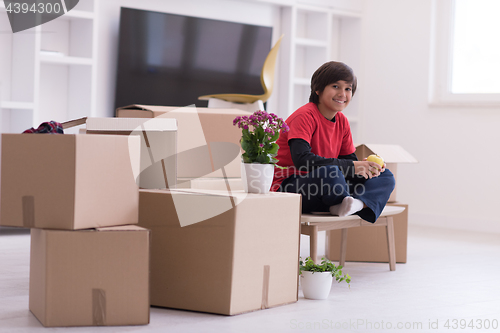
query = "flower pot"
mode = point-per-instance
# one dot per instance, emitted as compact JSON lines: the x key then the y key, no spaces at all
{"x":256,"y":177}
{"x":316,"y":285}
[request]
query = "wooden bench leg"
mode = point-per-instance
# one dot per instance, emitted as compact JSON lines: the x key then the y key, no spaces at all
{"x":343,"y":246}
{"x":391,"y":244}
{"x":313,"y":243}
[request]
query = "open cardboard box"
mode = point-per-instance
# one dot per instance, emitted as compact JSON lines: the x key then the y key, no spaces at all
{"x":93,"y":277}
{"x":208,"y":144}
{"x":158,"y":138}
{"x":238,"y":252}
{"x":392,"y":155}
{"x":63,"y":181}
{"x":370,"y":244}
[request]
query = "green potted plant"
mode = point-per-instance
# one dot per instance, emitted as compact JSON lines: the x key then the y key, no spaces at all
{"x":260,"y":131}
{"x":316,"y":279}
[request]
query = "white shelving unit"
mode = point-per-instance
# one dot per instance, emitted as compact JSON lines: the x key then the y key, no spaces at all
{"x":48,"y":72}
{"x":313,"y":36}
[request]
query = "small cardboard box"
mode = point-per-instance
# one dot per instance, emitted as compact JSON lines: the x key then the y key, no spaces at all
{"x":60,"y":181}
{"x":93,"y":277}
{"x":208,"y":144}
{"x":158,"y":146}
{"x":158,"y":168}
{"x":239,"y":251}
{"x":370,"y":244}
{"x":392,"y":155}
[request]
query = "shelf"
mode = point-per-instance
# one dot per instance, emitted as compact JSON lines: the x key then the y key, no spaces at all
{"x":65,"y":60}
{"x":50,"y":71}
{"x":16,"y":105}
{"x":310,"y":42}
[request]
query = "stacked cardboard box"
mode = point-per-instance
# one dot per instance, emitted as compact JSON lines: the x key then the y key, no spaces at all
{"x":89,"y":264}
{"x":158,"y":167}
{"x":158,"y":140}
{"x":205,"y":135}
{"x":239,"y":251}
{"x":87,"y":270}
{"x":240,"y":262}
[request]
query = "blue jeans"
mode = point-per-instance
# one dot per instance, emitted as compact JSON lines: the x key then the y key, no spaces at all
{"x":326,"y":186}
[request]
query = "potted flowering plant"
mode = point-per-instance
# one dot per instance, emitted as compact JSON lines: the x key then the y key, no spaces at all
{"x":259,"y":134}
{"x":316,"y":279}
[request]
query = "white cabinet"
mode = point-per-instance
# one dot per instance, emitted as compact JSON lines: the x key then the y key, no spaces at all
{"x":313,"y":36}
{"x":48,"y":72}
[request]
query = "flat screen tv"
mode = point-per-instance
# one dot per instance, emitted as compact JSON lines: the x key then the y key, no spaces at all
{"x":168,"y":59}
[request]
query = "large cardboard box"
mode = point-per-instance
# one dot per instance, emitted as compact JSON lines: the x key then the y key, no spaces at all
{"x":158,"y":146}
{"x":370,"y":244}
{"x":58,"y":181}
{"x":208,"y":144}
{"x":392,"y":155}
{"x":220,"y":252}
{"x":93,"y":277}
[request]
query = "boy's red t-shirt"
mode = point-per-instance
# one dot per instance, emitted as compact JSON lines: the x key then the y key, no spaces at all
{"x":327,"y":139}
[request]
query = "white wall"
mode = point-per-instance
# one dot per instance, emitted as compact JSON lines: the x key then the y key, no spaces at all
{"x":109,"y":17}
{"x":456,"y":182}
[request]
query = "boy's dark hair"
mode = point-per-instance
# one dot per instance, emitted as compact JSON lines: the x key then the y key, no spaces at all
{"x":329,"y":73}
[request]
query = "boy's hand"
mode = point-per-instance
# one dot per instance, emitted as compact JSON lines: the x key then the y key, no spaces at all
{"x":367,"y":169}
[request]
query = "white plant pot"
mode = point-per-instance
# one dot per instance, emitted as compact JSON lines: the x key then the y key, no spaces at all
{"x":316,"y":285}
{"x":256,"y":177}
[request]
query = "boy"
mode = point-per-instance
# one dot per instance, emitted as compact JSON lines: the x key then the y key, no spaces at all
{"x":319,"y":153}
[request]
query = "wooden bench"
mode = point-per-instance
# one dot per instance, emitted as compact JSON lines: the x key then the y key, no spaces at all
{"x":311,"y":224}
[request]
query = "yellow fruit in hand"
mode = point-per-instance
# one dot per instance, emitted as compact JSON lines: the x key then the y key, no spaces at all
{"x":377,"y":159}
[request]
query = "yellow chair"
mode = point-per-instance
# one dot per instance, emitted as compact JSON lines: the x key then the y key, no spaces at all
{"x":266,"y":79}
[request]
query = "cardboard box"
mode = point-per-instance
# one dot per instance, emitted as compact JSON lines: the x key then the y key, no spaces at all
{"x":208,"y":143}
{"x":158,"y":168}
{"x":392,"y":155}
{"x":223,"y":253}
{"x":58,"y":181}
{"x":370,"y":244}
{"x":93,"y":277}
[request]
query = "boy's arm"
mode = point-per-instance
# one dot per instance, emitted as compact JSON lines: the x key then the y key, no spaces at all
{"x":302,"y":157}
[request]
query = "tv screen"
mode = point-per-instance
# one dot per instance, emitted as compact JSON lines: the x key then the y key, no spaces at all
{"x":167,"y":59}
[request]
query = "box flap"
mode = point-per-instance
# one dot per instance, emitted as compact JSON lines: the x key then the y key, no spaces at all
{"x":390,"y":153}
{"x":131,"y":124}
{"x":151,"y":108}
{"x":74,"y":122}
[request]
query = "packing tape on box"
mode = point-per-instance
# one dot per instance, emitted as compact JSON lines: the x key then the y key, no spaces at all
{"x":28,"y":211}
{"x":265,"y":287}
{"x":98,"y":307}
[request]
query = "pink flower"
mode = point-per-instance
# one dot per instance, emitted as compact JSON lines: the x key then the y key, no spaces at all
{"x":256,"y":123}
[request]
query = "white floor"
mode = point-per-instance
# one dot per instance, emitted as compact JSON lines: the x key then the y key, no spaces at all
{"x":451,"y":277}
